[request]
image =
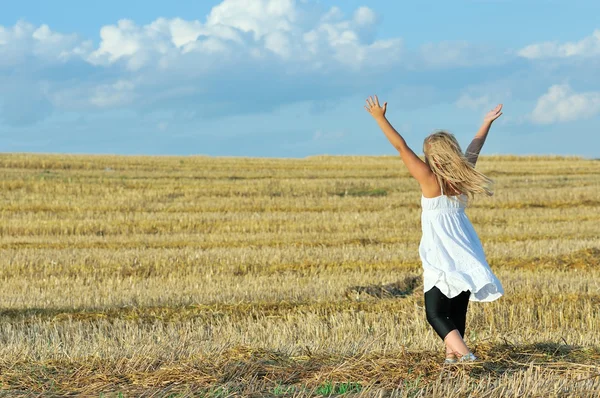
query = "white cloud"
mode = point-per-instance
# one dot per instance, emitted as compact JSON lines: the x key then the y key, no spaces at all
{"x":279,"y":44}
{"x":23,"y":40}
{"x":254,"y":29}
{"x":245,"y":40}
{"x":587,"y":47}
{"x":365,"y":16}
{"x":340,"y":42}
{"x":53,"y":45}
{"x":182,"y":32}
{"x":259,"y":17}
{"x":116,"y":43}
{"x":241,"y":46}
{"x":334,"y":14}
{"x":562,"y":104}
{"x":250,"y":29}
{"x":288,"y":51}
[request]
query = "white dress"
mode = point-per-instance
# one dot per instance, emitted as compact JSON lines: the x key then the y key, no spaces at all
{"x":451,"y":252}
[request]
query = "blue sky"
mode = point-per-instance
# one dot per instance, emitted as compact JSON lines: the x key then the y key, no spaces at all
{"x":284,"y":78}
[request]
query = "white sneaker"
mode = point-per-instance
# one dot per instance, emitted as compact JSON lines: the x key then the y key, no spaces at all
{"x":468,"y":358}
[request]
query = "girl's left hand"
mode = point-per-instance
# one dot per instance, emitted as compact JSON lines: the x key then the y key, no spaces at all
{"x":374,"y":108}
{"x":493,"y":114}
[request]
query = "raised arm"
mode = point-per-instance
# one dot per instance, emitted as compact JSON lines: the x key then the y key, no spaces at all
{"x":416,"y":167}
{"x":472,"y":152}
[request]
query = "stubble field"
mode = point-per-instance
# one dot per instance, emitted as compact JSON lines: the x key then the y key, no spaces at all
{"x":202,"y":276}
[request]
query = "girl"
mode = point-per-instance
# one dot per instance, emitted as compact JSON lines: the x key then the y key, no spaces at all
{"x":455,"y":270}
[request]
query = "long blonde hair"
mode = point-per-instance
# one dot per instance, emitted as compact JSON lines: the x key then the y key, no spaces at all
{"x":451,"y":167}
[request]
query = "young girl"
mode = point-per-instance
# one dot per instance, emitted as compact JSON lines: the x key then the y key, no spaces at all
{"x":455,"y":270}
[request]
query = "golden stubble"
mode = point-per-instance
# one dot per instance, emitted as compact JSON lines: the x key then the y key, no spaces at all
{"x":180,"y":274}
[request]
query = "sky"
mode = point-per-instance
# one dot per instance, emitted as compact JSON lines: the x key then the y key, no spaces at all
{"x":285,"y":78}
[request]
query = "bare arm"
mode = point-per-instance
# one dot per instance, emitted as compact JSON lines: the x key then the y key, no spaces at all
{"x":472,"y":152}
{"x":416,"y":167}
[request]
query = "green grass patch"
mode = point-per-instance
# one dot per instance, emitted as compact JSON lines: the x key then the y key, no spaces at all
{"x":330,"y":388}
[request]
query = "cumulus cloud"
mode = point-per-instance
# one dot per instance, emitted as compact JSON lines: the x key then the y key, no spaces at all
{"x":259,"y":17}
{"x":27,"y":51}
{"x":247,"y":28}
{"x":242,"y":45}
{"x":23,"y":41}
{"x":585,"y":48}
{"x":365,"y":16}
{"x":562,"y":104}
{"x":290,"y":51}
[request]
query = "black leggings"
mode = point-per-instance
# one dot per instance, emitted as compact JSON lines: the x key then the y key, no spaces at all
{"x":446,"y":314}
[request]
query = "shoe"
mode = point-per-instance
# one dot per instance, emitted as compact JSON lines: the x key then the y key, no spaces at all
{"x":468,"y":358}
{"x":450,"y":357}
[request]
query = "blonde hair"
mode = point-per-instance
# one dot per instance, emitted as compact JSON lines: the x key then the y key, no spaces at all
{"x":451,"y":167}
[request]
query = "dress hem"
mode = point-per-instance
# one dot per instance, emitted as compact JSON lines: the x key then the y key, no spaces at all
{"x":489,"y":297}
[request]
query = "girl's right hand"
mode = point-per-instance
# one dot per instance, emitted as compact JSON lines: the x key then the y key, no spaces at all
{"x":493,"y":114}
{"x":374,"y":108}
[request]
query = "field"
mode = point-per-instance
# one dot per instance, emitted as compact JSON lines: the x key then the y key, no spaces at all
{"x":202,"y":276}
